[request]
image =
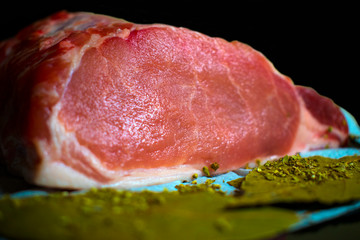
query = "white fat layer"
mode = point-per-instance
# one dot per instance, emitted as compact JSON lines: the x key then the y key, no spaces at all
{"x":310,"y":134}
{"x":59,"y":175}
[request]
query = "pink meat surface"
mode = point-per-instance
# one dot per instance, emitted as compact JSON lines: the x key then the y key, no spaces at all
{"x":89,"y":100}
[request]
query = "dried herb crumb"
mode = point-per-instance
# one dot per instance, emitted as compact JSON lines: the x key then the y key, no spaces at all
{"x":206,"y":171}
{"x":330,"y":128}
{"x":296,"y":179}
{"x":215,"y":166}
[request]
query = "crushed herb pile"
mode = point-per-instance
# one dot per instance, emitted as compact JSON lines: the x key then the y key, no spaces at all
{"x":192,"y":212}
{"x":293,"y":179}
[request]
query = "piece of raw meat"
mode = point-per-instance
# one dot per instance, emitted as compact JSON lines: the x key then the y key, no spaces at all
{"x":89,"y":100}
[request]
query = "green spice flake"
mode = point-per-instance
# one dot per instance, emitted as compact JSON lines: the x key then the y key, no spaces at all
{"x":285,"y":159}
{"x":208,"y":186}
{"x":330,"y":128}
{"x":206,"y":171}
{"x":215,"y":166}
{"x":293,"y":179}
{"x":236,"y":182}
{"x":208,"y":182}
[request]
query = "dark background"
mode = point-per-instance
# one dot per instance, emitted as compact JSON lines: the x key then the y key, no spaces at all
{"x":314,"y":44}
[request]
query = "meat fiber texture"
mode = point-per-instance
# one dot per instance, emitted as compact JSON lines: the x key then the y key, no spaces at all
{"x":88,"y":100}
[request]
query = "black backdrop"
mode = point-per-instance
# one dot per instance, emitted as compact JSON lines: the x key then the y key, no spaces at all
{"x":315,"y":44}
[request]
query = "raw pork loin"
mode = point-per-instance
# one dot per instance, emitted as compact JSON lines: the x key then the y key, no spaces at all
{"x":89,"y":100}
